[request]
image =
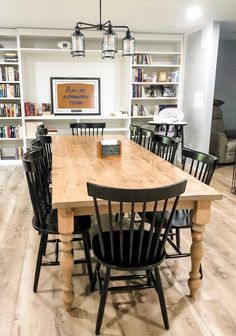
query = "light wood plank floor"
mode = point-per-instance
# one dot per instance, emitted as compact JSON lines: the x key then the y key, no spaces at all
{"x":23,"y":313}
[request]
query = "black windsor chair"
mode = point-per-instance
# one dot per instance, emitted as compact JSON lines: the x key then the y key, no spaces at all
{"x":146,"y":137}
{"x":201,"y":166}
{"x":135,"y":133}
{"x":41,"y":130}
{"x":164,"y":147}
{"x":87,"y":128}
{"x":127,"y":247}
{"x":45,"y":218}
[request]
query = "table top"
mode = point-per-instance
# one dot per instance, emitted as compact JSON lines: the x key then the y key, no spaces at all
{"x":75,"y":163}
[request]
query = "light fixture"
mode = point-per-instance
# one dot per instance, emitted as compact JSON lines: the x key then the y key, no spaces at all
{"x":194,"y":13}
{"x":109,"y":43}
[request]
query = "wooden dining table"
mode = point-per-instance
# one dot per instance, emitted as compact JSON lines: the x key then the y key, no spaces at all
{"x":75,"y":162}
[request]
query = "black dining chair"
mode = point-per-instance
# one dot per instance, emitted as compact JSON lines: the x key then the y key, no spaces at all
{"x":130,"y":246}
{"x":201,"y":166}
{"x":164,"y":147}
{"x":41,"y":130}
{"x":87,"y":128}
{"x":44,"y":142}
{"x":135,"y":133}
{"x":146,"y":137}
{"x":45,"y":218}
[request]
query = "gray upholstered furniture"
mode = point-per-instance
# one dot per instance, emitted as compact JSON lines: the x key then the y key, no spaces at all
{"x":223,"y":142}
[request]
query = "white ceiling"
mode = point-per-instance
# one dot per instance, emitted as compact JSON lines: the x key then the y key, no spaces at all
{"x":164,"y":16}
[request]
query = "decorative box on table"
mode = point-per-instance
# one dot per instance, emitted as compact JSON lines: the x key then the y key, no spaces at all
{"x":109,"y":148}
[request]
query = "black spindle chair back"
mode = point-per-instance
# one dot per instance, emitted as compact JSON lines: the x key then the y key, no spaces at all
{"x":132,"y":246}
{"x":87,"y":128}
{"x":198,"y":164}
{"x":164,"y":147}
{"x":46,"y":141}
{"x":146,"y":138}
{"x":33,"y":164}
{"x":135,"y":133}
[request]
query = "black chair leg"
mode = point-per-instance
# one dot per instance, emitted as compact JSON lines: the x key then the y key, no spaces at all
{"x":177,"y":232}
{"x":45,"y":245}
{"x":103,"y":301}
{"x":88,"y":240}
{"x":43,"y":241}
{"x":94,"y":280}
{"x":160,"y":292}
{"x":149,"y":282}
{"x":87,"y":255}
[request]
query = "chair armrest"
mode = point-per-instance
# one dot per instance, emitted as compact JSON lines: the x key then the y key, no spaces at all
{"x":231,"y":134}
{"x":218,"y":145}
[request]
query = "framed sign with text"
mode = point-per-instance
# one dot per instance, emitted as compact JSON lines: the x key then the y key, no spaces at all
{"x":75,"y":96}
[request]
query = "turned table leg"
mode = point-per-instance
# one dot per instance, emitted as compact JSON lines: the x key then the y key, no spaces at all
{"x":201,"y":216}
{"x":66,"y":228}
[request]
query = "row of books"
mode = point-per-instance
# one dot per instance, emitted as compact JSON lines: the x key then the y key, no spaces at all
{"x":10,"y":57}
{"x":11,"y":131}
{"x":10,"y":110}
{"x":9,"y":90}
{"x":9,"y":73}
{"x":138,"y":75}
{"x":11,"y":153}
{"x":35,"y":109}
{"x":142,"y":59}
{"x":138,"y":110}
{"x":153,"y":91}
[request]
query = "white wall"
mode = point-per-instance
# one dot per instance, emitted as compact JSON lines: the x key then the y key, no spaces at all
{"x":201,"y":49}
{"x":225,"y":88}
{"x":39,"y":67}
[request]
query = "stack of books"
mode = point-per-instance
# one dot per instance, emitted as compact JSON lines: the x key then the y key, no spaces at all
{"x":10,"y":57}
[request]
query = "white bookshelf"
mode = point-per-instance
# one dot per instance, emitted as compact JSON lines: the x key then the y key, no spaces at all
{"x":8,"y":38}
{"x":39,"y":58}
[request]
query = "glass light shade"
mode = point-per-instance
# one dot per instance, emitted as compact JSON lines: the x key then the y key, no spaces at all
{"x":77,"y":43}
{"x":107,"y":54}
{"x":109,"y":41}
{"x":128,"y":44}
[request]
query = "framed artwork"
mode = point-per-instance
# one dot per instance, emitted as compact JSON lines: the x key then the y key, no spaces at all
{"x":75,"y":96}
{"x":162,"y":76}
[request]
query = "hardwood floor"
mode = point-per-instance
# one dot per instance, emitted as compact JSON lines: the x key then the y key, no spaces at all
{"x":23,"y":313}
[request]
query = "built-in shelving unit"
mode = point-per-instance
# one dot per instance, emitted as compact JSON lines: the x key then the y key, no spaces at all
{"x":40,"y":58}
{"x":155,"y":75}
{"x":11,"y":128}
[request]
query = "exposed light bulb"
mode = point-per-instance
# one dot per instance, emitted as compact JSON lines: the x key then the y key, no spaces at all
{"x":194,"y":13}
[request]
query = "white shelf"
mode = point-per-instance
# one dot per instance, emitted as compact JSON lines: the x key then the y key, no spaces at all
{"x":9,"y":82}
{"x":11,"y":139}
{"x":35,"y":118}
{"x":7,"y":98}
{"x":8,"y":49}
{"x":10,"y":118}
{"x":154,"y":83}
{"x":142,"y":117}
{"x":158,"y":53}
{"x":67,"y":117}
{"x":154,"y":98}
{"x":9,"y":63}
{"x":159,"y":65}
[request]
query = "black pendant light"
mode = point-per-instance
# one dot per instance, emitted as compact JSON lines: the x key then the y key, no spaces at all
{"x":109,"y":43}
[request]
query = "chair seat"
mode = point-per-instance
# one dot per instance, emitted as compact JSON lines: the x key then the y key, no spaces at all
{"x":81,"y":223}
{"x":181,"y":219}
{"x":116,"y":261}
